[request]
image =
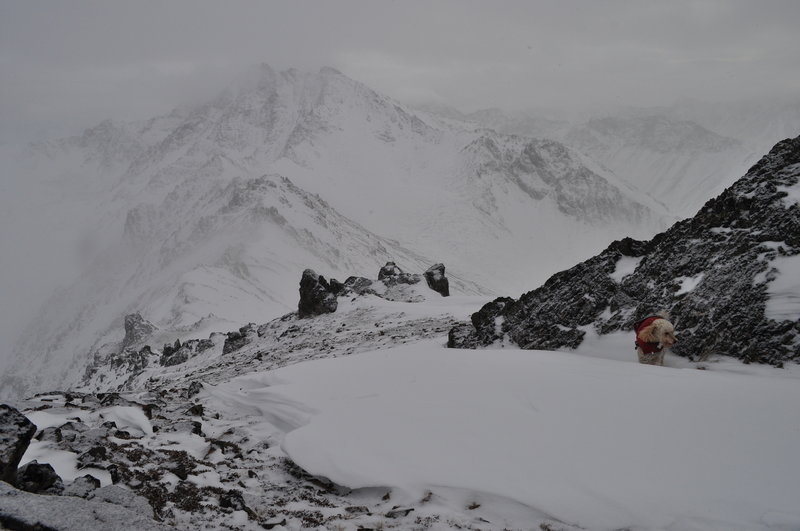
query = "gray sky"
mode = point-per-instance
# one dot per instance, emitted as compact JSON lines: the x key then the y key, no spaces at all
{"x":68,"y":65}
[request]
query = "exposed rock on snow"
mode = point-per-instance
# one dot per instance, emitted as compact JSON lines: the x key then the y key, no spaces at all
{"x":389,"y":270}
{"x":39,"y":478}
{"x":137,"y":330}
{"x":714,"y":273}
{"x":16,"y":432}
{"x":316,"y":296}
{"x":437,"y":281}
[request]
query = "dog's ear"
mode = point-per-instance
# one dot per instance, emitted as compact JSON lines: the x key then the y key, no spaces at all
{"x":648,"y":334}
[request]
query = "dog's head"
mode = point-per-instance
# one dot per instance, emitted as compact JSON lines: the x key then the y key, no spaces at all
{"x":659,"y":331}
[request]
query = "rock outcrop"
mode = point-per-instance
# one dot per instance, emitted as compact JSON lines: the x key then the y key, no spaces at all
{"x":16,"y":432}
{"x":724,"y":276}
{"x":316,"y":296}
{"x":437,"y":281}
{"x":137,"y":330}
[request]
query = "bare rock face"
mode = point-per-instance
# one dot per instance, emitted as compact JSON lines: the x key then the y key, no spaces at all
{"x":316,"y":296}
{"x":436,"y":280}
{"x":723,"y":275}
{"x":16,"y":432}
{"x":137,"y":330}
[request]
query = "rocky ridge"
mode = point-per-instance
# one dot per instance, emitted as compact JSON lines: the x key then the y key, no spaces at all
{"x":715,"y":273}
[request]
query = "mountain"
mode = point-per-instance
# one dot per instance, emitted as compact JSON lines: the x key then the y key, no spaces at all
{"x":662,"y":152}
{"x":677,"y":162}
{"x":728,"y":276}
{"x":206,"y":217}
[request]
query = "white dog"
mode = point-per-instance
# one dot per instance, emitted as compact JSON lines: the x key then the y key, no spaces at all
{"x":653,"y":335}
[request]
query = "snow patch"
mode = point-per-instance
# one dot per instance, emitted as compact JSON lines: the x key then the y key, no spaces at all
{"x":784,"y":291}
{"x":689,"y":283}
{"x":625,"y":266}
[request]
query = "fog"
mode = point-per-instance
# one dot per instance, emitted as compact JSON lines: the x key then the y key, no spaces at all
{"x":65,"y":66}
{"x":69,"y":65}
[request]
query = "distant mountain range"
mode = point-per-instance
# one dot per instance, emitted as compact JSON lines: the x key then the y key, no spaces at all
{"x":205,"y":218}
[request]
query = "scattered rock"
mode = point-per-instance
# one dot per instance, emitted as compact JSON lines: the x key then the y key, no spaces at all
{"x":16,"y":432}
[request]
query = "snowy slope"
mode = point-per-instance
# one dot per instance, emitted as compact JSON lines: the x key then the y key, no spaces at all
{"x":363,"y":419}
{"x":212,"y":232}
{"x":594,"y":444}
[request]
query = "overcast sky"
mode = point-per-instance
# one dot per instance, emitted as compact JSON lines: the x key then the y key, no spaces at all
{"x":68,"y":65}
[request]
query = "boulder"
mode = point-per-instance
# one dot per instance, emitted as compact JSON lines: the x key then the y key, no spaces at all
{"x":16,"y":432}
{"x":39,"y":478}
{"x":316,"y":297}
{"x":389,"y":270}
{"x":437,"y":281}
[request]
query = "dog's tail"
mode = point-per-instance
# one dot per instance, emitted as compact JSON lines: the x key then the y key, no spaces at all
{"x":664,"y":314}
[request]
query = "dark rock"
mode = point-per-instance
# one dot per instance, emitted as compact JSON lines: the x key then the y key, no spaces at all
{"x":316,"y":297}
{"x":232,"y":499}
{"x":82,"y":486}
{"x":336,"y":287}
{"x":92,"y":457}
{"x":437,"y":281}
{"x":137,"y":330}
{"x":175,"y":357}
{"x":398,"y":512}
{"x":389,"y":270}
{"x":196,"y":410}
{"x":233,"y":342}
{"x":16,"y":432}
{"x":194,"y":388}
{"x":50,"y":434}
{"x":711,"y":273}
{"x":39,"y":478}
{"x":359,"y":285}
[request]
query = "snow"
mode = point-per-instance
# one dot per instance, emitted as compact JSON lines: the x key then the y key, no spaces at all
{"x":689,"y":283}
{"x":784,"y":292}
{"x":592,"y":442}
{"x":625,"y":266}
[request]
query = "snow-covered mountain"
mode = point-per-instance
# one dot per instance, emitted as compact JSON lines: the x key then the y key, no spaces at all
{"x":220,"y":207}
{"x":663,"y":152}
{"x":677,"y":162}
{"x":728,"y":276}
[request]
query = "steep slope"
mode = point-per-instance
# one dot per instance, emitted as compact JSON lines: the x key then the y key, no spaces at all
{"x":221,"y":206}
{"x":679,"y":163}
{"x":728,"y":276}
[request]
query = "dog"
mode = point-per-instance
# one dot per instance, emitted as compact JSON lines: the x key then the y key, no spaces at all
{"x":654,"y":335}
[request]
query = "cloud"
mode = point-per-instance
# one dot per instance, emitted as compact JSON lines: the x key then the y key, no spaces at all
{"x":69,"y":65}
